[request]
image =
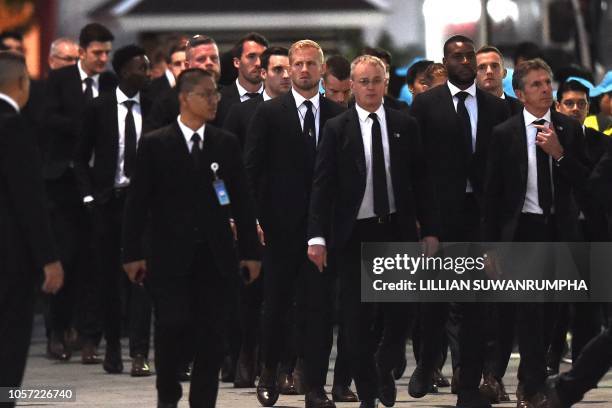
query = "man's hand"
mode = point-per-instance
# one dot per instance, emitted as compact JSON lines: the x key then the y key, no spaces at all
{"x":136,"y":271}
{"x":548,"y":140}
{"x":430,"y":245}
{"x":491,"y":263}
{"x":260,"y":234}
{"x":254,"y":268}
{"x":54,"y":277}
{"x":318,"y":256}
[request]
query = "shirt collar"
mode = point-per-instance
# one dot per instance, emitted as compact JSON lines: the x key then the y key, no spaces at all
{"x":454,"y":90}
{"x":121,"y":97}
{"x":10,"y":101}
{"x":364,"y":114}
{"x":529,"y":118}
{"x":503,"y":95}
{"x":170,"y":77}
{"x":188,"y":132}
{"x":265,"y":95}
{"x":299,"y":99}
{"x":242,"y":91}
{"x":84,"y":75}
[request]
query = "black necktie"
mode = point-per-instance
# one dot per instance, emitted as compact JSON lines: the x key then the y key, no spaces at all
{"x":88,"y":88}
{"x":195,"y":150}
{"x":464,"y":116}
{"x":379,"y":174}
{"x":545,"y":196}
{"x":252,"y":94}
{"x":310,"y":132}
{"x":129,"y":153}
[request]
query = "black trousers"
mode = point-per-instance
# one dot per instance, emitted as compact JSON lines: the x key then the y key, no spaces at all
{"x":342,"y":369}
{"x":364,"y":351}
{"x":500,"y":335}
{"x":75,"y":305}
{"x":111,"y":279}
{"x":290,"y":276}
{"x":197,"y":304}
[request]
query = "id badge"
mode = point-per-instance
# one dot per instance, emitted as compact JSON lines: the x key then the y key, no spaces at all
{"x":221,"y":192}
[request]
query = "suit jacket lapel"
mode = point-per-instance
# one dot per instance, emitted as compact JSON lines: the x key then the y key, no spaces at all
{"x":393,"y":137}
{"x":76,"y":85}
{"x":353,"y":131}
{"x":113,"y":120}
{"x":482,"y":116}
{"x":292,"y":113}
{"x":520,"y":141}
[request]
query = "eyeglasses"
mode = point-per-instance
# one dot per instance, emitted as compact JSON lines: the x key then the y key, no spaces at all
{"x":210,"y":95}
{"x":67,"y":59}
{"x":365,"y":82}
{"x":581,"y":104}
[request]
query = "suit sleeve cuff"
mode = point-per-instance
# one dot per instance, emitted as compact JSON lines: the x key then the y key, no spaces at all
{"x":316,"y":241}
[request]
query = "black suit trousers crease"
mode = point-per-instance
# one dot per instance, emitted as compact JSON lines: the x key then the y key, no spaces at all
{"x":187,"y":306}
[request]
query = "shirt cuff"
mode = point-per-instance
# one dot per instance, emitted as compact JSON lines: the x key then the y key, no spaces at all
{"x":316,"y":241}
{"x":87,"y":199}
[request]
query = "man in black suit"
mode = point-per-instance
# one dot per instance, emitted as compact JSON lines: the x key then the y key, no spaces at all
{"x":385,"y":56}
{"x":535,"y":165}
{"x":201,"y":52}
{"x":456,"y":120}
{"x":280,"y":151}
{"x":25,"y":233}
{"x":69,"y":90}
{"x":383,"y":203}
{"x":176,"y":61}
{"x":490,"y":73}
{"x":336,"y":80}
{"x":112,"y":127}
{"x":188,"y":180}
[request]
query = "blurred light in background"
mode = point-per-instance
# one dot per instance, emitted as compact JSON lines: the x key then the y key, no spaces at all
{"x":502,"y":10}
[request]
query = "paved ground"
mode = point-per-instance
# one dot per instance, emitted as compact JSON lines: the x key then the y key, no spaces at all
{"x":94,"y":388}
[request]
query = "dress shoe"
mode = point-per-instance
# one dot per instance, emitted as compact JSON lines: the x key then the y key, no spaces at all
{"x":167,"y":404}
{"x":433,"y":389}
{"x":317,"y":398}
{"x":369,"y":404}
{"x":140,"y":366}
{"x":400,"y":368}
{"x":387,"y":392}
{"x":113,"y":364}
{"x":184,"y":374}
{"x":285,"y":384}
{"x":343,"y":393}
{"x":228,"y":370}
{"x":298,"y":377}
{"x":56,"y":348}
{"x":490,"y":389}
{"x":420,"y":382}
{"x":267,"y":393}
{"x":552,"y":393}
{"x":455,"y":381}
{"x":538,"y":400}
{"x":245,"y":371}
{"x":439,"y":379}
{"x":89,"y":354}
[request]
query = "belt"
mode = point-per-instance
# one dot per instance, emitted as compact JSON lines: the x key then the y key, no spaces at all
{"x":384,"y":219}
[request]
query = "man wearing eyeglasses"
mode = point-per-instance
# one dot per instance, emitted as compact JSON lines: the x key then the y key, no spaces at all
{"x":63,"y":52}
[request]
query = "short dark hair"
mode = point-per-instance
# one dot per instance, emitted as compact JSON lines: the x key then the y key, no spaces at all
{"x":415,"y":69}
{"x":252,"y":36}
{"x":570,"y":86}
{"x":12,"y":67}
{"x":338,"y":66}
{"x":456,"y":38}
{"x":94,"y":32}
{"x":265,"y":56}
{"x":490,"y":48}
{"x":189,"y":78}
{"x":124,"y":54}
{"x":378,"y":52}
{"x":525,"y":68}
{"x":196,"y":41}
{"x":174,"y":49}
{"x":526,"y":50}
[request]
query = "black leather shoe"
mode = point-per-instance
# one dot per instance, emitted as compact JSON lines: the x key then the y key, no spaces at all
{"x":89,"y":354}
{"x":112,"y":360}
{"x":387,"y":392}
{"x":440,"y":380}
{"x":298,"y":377}
{"x":228,"y":370}
{"x":57,"y":348}
{"x":343,"y":393}
{"x":140,"y":366}
{"x":317,"y":398}
{"x":421,"y":382}
{"x":184,"y":374}
{"x":267,"y":393}
{"x":368,"y":404}
{"x":285,"y":384}
{"x":490,"y":389}
{"x":552,"y":393}
{"x":167,"y":404}
{"x":245,"y":371}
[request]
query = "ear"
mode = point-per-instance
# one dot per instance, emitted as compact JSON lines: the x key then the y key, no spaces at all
{"x":236,"y":62}
{"x":505,"y":73}
{"x":519,"y":95}
{"x":82,"y":52}
{"x":557,"y":106}
{"x":264,"y":73}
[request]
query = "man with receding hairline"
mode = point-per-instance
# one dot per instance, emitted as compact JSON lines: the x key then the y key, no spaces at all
{"x":63,"y":52}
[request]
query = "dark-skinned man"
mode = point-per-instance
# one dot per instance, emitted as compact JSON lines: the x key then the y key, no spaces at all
{"x":374,"y":206}
{"x":535,"y":165}
{"x":280,"y":150}
{"x":113,"y":128}
{"x":26,"y":244}
{"x":69,"y":90}
{"x":188,"y":180}
{"x":456,"y":120}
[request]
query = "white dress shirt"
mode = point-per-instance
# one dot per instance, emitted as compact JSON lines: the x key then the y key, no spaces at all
{"x":532,"y":203}
{"x":265,"y":95}
{"x":243,"y":92}
{"x":302,"y":109}
{"x":10,"y":101}
{"x":472,"y":107}
{"x":96,"y":81}
{"x":170,"y":77}
{"x":188,"y":133}
{"x":366,"y":210}
{"x":120,"y":179}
